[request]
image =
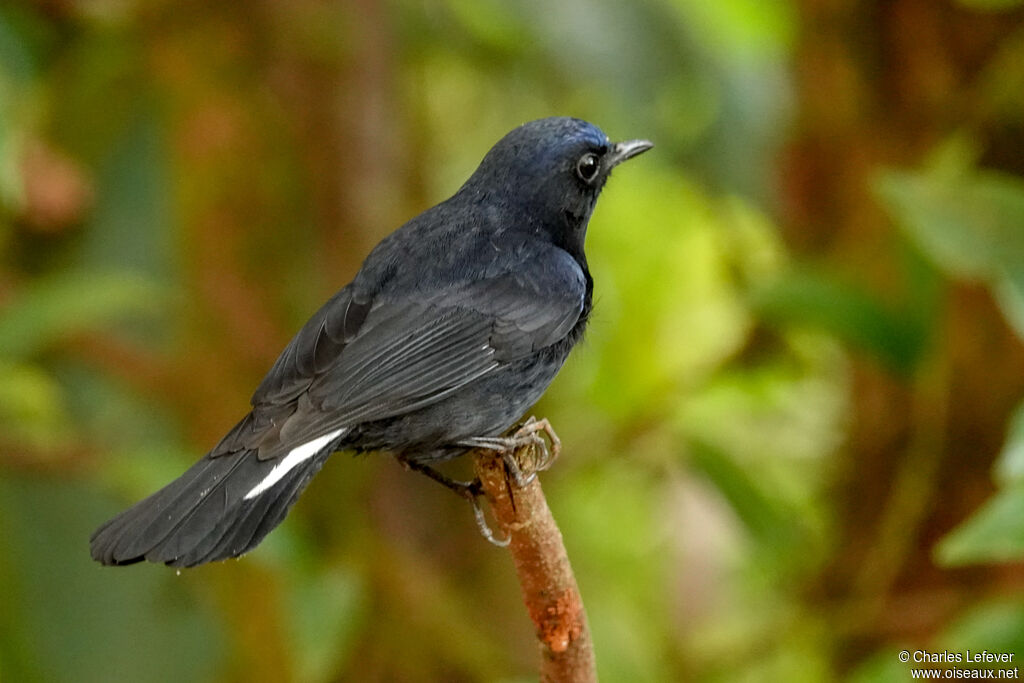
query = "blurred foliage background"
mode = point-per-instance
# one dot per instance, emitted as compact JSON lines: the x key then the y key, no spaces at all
{"x":794,"y":437}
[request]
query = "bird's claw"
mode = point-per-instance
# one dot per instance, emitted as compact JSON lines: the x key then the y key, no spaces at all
{"x":527,"y":438}
{"x":530,"y":431}
{"x":481,"y":520}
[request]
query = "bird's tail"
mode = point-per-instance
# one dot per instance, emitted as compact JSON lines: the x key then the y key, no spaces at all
{"x":220,"y":507}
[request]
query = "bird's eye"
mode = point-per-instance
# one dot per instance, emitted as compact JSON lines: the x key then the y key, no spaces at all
{"x":586,"y":167}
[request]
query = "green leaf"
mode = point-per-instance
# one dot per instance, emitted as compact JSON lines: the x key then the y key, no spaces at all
{"x":22,"y":38}
{"x":996,"y":626}
{"x":882,"y":667}
{"x":766,"y":517}
{"x":61,"y":306}
{"x":131,"y":228}
{"x":1010,"y":465}
{"x":995,"y":533}
{"x":848,"y":311}
{"x":32,"y":411}
{"x":742,"y":27}
{"x":494,"y":24}
{"x":969,"y":222}
{"x":1009,"y":293}
{"x":326,"y":611}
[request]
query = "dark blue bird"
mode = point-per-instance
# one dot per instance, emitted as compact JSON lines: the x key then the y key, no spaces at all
{"x":455,"y":325}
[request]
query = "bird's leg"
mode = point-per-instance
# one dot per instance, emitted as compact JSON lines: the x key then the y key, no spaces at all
{"x":470,"y":490}
{"x":528,"y":436}
{"x":462,"y":488}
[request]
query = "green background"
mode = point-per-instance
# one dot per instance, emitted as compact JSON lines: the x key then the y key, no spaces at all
{"x":793,"y":438}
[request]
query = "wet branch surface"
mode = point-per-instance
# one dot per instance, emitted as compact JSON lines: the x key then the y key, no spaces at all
{"x":548,"y":585}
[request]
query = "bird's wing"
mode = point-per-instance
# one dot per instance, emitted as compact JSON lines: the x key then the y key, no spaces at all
{"x":358,"y":360}
{"x":315,"y":348}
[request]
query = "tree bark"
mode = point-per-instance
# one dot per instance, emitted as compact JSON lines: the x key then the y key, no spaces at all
{"x":549,"y":587}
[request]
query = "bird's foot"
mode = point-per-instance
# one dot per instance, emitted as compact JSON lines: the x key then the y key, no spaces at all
{"x":548,"y":454}
{"x":470,"y":490}
{"x":526,"y":443}
{"x":528,"y":438}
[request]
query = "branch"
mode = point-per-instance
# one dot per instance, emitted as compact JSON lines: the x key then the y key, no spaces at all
{"x":549,"y":587}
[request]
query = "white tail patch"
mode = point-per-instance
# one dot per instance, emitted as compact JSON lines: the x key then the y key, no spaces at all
{"x":295,"y":456}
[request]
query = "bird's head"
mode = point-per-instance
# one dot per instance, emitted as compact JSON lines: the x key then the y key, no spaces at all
{"x":552,"y":170}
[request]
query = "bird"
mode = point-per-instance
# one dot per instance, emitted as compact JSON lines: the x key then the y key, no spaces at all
{"x":453,"y":327}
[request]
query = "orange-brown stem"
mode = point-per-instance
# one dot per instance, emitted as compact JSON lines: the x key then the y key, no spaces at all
{"x":549,"y":587}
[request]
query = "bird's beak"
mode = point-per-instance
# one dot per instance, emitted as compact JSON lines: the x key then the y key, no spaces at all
{"x":622,"y":151}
